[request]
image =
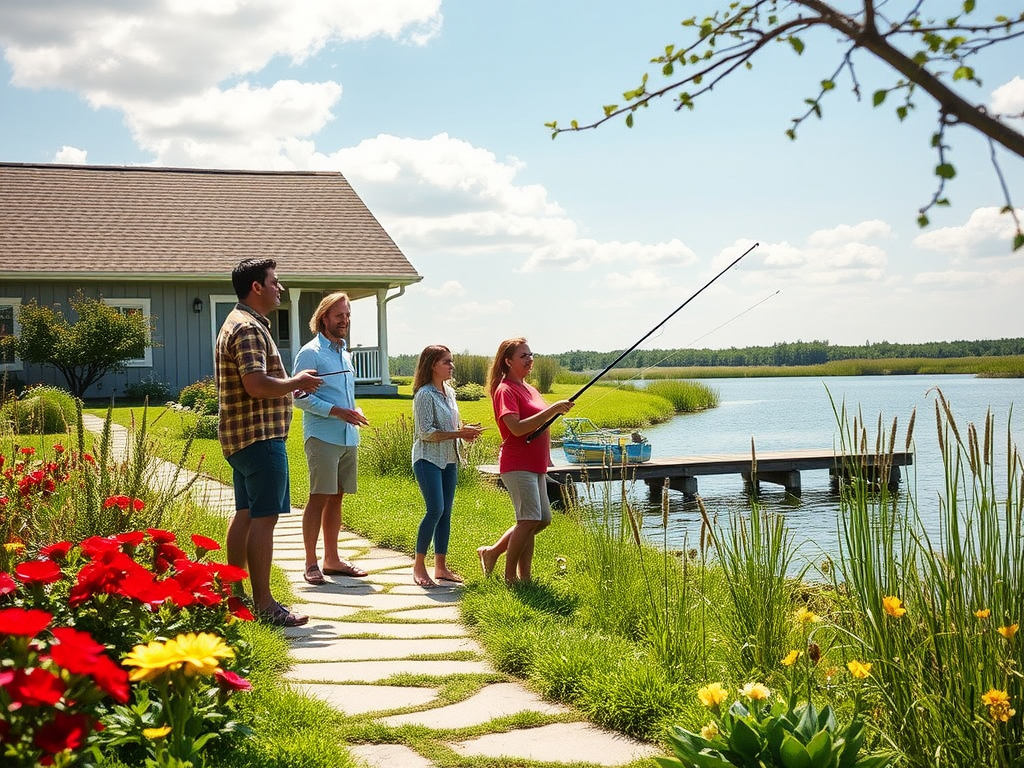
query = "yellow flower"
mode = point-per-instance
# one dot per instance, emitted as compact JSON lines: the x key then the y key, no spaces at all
{"x":709,"y":731}
{"x":983,"y":613}
{"x":998,"y":703}
{"x":790,"y":658}
{"x":1008,"y":631}
{"x":893,"y":606}
{"x":152,"y":660}
{"x":13,"y":547}
{"x":859,"y":669}
{"x":201,"y":653}
{"x":755,"y":692}
{"x":156,"y":733}
{"x":712,"y":695}
{"x":807,"y":616}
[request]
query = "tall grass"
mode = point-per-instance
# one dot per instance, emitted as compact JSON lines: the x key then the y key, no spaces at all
{"x":933,"y":663}
{"x":685,"y":396}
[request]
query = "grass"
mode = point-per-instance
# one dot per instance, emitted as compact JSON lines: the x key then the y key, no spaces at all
{"x":605,"y":612}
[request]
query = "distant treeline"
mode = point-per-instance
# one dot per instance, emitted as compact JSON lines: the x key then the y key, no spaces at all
{"x":781,"y":354}
{"x":788,"y":353}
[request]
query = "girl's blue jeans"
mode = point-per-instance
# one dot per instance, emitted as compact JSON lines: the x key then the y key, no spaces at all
{"x":438,"y":488}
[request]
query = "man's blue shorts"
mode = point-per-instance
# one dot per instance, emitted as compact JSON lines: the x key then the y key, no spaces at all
{"x":261,"y":478}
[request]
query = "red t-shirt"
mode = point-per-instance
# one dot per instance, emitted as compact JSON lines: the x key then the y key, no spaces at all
{"x":515,"y":453}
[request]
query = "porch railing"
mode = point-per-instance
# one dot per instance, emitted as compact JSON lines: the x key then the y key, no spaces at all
{"x":366,"y":361}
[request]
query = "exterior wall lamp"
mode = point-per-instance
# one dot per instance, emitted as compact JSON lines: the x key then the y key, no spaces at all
{"x":197,"y":305}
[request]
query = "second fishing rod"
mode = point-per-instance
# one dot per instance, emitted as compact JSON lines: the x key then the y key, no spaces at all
{"x":539,"y":430}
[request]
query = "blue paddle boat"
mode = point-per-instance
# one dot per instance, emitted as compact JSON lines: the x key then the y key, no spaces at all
{"x":586,"y":443}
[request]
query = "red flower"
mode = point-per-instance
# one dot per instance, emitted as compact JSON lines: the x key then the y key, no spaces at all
{"x":161,"y":536}
{"x":229,"y":574}
{"x":229,"y":681}
{"x":27,"y":451}
{"x":38,"y":572}
{"x":7,"y":584}
{"x":58,"y":448}
{"x":88,"y":457}
{"x":116,"y":501}
{"x":132,"y":538}
{"x":35,"y":687}
{"x":239,"y":609}
{"x":26,"y":622}
{"x":95,"y":546}
{"x":204,"y":543}
{"x":111,"y":678}
{"x":76,"y":651}
{"x":65,"y":731}
{"x":56,"y":551}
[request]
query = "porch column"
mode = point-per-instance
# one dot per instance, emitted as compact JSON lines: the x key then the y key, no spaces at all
{"x":294,"y":325}
{"x":382,"y":335}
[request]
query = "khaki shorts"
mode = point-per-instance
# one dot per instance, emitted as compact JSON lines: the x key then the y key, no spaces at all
{"x":332,"y":468}
{"x":529,"y":493}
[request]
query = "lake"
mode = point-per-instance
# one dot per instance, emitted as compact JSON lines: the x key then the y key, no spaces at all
{"x":795,"y":412}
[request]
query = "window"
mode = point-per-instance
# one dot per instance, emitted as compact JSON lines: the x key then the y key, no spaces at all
{"x":128,"y":307}
{"x":9,"y":327}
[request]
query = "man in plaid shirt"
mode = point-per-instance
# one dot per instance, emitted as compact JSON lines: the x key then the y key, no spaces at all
{"x":255,"y":397}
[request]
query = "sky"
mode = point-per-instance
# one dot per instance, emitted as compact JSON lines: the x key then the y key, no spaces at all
{"x":434,"y":110}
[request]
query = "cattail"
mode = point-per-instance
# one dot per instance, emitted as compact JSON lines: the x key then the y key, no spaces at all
{"x":814,"y":652}
{"x":910,"y":428}
{"x":972,"y":449}
{"x":938,"y":426}
{"x":632,"y":522}
{"x":892,"y":437}
{"x":988,"y":438}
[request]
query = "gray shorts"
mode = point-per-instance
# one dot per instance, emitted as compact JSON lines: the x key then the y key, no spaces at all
{"x":332,"y":468}
{"x":529,"y":492}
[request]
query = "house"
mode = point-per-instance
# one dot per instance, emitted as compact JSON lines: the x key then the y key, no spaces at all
{"x":163,"y":241}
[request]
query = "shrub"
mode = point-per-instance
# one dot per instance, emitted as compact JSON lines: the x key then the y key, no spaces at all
{"x":203,"y":427}
{"x":40,"y":410}
{"x":388,"y":448}
{"x":200,"y":396}
{"x":148,"y":389}
{"x":472,"y":369}
{"x":470,"y":391}
{"x":545,"y":370}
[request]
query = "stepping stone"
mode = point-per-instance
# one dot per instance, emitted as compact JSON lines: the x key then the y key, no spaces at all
{"x":437,"y":613}
{"x":375,"y":671}
{"x":316,"y":648}
{"x":321,"y":611}
{"x":338,"y":629}
{"x":559,"y":743}
{"x":378,"y":601}
{"x":389,"y":756}
{"x":360,"y":699}
{"x":497,"y":700}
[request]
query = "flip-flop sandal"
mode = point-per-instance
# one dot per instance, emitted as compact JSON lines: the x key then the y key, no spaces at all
{"x":313,"y":576}
{"x":279,"y":616}
{"x":454,"y":578}
{"x":347,"y":569}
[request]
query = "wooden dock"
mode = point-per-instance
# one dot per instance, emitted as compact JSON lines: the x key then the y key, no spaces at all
{"x":779,"y":467}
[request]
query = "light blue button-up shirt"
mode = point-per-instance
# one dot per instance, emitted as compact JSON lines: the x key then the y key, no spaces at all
{"x":324,"y":356}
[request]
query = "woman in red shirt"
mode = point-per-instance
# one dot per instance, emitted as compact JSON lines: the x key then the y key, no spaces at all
{"x":519,"y":409}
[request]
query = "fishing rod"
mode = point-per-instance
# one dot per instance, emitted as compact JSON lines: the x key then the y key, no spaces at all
{"x":642,"y":339}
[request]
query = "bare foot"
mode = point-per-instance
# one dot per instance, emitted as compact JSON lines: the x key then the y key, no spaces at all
{"x":487,"y":559}
{"x":422,"y":580}
{"x":448,"y":576}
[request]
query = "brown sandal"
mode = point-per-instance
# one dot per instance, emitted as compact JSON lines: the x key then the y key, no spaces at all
{"x":313,"y":576}
{"x":347,"y":569}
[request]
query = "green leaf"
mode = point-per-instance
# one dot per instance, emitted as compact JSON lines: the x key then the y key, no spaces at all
{"x":968,"y":6}
{"x":1018,"y":240}
{"x":963,"y":73}
{"x":901,"y":112}
{"x":797,"y":43}
{"x":878,"y":97}
{"x":945,"y":171}
{"x":922,"y":221}
{"x":827,"y":85}
{"x":609,"y":108}
{"x":575,"y":125}
{"x":745,"y":740}
{"x":793,"y":753}
{"x":820,"y":750}
{"x":667,"y":69}
{"x":629,"y":120}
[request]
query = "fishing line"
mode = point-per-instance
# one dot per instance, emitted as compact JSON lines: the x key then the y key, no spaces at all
{"x":639,"y":374}
{"x":616,"y":361}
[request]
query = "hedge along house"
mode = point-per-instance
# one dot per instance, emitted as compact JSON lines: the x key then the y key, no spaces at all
{"x":163,"y":241}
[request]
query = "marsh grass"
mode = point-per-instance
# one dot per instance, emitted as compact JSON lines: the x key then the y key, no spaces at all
{"x":932,"y":664}
{"x":685,"y":396}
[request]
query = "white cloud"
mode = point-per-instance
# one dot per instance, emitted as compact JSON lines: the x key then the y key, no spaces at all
{"x":846,"y":233}
{"x":954,"y":280}
{"x":583,"y":254}
{"x":987,"y":233}
{"x":1008,"y":99}
{"x":448,"y":288}
{"x":70,"y":156}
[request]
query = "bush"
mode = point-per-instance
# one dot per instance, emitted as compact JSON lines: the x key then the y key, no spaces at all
{"x":200,"y":396}
{"x":204,"y":427}
{"x":40,"y":410}
{"x":388,"y":449}
{"x":148,"y":389}
{"x":545,"y":370}
{"x":471,"y":391}
{"x":472,"y":369}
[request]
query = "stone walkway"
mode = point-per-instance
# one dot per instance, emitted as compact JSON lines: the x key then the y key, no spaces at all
{"x":347,"y":663}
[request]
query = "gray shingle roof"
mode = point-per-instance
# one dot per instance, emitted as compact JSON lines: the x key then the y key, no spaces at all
{"x":99,"y":221}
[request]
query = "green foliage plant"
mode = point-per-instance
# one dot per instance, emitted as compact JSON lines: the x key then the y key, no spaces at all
{"x":757,"y":732}
{"x":387,"y":448}
{"x":685,"y":396}
{"x":469,"y":392}
{"x":545,"y":371}
{"x":148,"y":390}
{"x":99,"y":342}
{"x":471,"y":369}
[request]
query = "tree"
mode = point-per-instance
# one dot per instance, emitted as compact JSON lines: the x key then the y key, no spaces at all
{"x":101,"y":341}
{"x":926,"y":54}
